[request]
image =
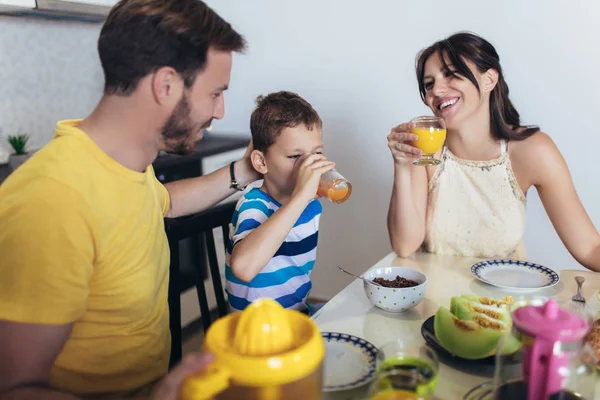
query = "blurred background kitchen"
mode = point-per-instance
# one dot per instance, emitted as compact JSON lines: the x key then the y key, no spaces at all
{"x":354,"y":61}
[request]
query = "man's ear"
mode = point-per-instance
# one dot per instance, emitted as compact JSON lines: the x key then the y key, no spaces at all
{"x":259,"y":161}
{"x":167,"y":86}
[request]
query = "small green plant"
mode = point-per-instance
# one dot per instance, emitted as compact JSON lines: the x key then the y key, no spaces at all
{"x":19,"y":143}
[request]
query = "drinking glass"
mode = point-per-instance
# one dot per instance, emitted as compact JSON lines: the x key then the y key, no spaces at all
{"x":406,"y":371}
{"x":431,"y":135}
{"x":334,"y":187}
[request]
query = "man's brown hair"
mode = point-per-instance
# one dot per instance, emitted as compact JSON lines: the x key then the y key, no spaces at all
{"x":141,"y":36}
{"x":277,"y":111}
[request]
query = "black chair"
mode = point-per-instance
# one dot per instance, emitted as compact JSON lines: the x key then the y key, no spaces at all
{"x":197,"y":225}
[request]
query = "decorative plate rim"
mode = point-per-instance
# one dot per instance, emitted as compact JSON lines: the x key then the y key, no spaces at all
{"x":477,"y":267}
{"x":368,"y":348}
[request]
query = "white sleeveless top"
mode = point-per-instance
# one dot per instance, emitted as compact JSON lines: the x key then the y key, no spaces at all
{"x":475,"y":208}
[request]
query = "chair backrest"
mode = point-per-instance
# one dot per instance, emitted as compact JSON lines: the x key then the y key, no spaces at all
{"x":201,"y":224}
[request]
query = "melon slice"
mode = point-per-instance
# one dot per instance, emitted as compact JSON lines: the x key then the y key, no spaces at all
{"x":473,"y":326}
{"x":470,"y":306}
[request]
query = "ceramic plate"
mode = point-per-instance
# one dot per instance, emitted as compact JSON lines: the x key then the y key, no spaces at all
{"x":350,"y":361}
{"x":515,"y":274}
{"x":428,"y":333}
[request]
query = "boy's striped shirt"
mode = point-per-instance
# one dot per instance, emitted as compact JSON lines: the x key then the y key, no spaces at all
{"x":286,"y":277}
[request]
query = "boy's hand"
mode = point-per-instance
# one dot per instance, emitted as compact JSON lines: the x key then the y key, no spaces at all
{"x":309,"y":174}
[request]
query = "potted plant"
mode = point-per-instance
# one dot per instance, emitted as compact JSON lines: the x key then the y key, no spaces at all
{"x":19,"y":145}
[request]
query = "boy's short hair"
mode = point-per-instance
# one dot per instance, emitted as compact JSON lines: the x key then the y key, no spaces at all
{"x":277,"y":111}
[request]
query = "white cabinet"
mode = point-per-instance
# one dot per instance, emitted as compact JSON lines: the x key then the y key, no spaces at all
{"x":82,"y":10}
{"x":106,"y":3}
{"x":8,"y":5}
{"x":214,"y":162}
{"x":18,"y":3}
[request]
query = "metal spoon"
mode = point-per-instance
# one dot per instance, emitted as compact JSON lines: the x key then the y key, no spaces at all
{"x":359,"y":277}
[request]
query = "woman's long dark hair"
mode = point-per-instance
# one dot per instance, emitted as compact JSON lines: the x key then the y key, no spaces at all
{"x":505,"y":121}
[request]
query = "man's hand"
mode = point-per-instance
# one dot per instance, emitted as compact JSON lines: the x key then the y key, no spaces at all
{"x":245,"y":173}
{"x":169,"y":387}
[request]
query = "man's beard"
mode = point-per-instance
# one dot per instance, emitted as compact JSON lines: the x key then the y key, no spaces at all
{"x":179,"y":130}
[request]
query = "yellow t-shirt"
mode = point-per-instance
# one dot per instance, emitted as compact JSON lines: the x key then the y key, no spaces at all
{"x":82,"y":241}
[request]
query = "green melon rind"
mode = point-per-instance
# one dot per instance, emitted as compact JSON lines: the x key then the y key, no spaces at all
{"x":463,"y":307}
{"x":473,"y":343}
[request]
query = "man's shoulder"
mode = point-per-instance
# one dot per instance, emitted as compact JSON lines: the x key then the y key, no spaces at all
{"x":41,"y":172}
{"x":38,"y":192}
{"x":52,"y":176}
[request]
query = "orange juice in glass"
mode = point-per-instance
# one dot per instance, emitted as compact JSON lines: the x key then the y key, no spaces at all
{"x":334,"y":187}
{"x":396,"y":395}
{"x":431,"y":135}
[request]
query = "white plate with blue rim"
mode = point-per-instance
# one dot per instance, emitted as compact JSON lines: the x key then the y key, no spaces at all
{"x":350,"y":361}
{"x":515,"y":274}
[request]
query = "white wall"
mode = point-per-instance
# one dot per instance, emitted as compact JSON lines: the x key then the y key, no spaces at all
{"x":353,"y":60}
{"x":49,"y":70}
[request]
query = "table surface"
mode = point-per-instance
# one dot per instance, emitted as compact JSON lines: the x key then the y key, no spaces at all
{"x":351,"y":312}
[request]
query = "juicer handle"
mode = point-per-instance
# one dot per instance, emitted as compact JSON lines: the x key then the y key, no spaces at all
{"x":207,"y":384}
{"x":543,"y":371}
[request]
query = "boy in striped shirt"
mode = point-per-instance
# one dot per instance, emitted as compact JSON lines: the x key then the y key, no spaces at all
{"x":274,"y":232}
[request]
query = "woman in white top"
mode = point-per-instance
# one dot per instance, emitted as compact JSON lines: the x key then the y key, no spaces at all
{"x":473,"y":203}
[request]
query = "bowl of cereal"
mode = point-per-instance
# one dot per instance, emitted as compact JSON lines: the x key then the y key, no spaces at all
{"x":396,"y":289}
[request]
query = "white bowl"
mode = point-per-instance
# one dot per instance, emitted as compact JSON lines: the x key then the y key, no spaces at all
{"x":395,"y":300}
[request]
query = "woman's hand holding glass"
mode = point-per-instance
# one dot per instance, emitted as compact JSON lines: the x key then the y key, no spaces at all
{"x":400,"y":144}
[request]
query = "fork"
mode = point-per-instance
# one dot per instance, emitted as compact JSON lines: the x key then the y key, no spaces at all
{"x":578,"y":297}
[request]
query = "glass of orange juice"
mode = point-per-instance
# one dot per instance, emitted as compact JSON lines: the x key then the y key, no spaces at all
{"x":431,"y":135}
{"x":334,"y":187}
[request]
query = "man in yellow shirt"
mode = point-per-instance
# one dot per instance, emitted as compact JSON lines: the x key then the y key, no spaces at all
{"x":84,"y":256}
